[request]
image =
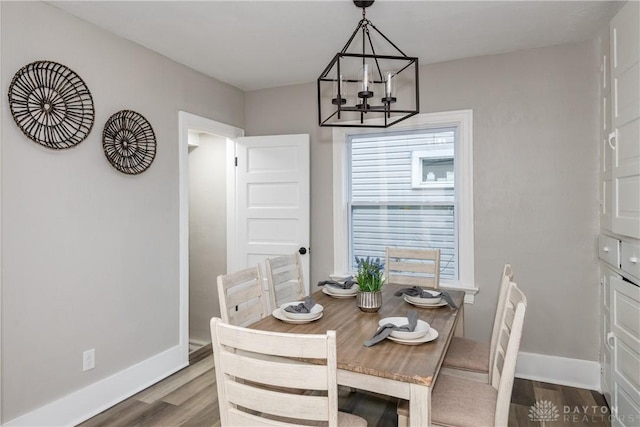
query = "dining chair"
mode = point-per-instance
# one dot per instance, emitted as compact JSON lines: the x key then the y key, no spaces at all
{"x":463,"y":402}
{"x":470,"y":358}
{"x":286,"y":279}
{"x":258,"y":386}
{"x":413,"y":267}
{"x":241,"y":296}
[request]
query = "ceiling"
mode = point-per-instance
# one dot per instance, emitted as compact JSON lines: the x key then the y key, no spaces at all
{"x":262,"y":44}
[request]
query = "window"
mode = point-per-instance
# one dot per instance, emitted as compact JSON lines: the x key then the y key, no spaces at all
{"x":409,"y":186}
{"x":433,"y":168}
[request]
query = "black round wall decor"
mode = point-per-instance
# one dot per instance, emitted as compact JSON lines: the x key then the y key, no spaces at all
{"x":51,"y":104}
{"x":128,"y":142}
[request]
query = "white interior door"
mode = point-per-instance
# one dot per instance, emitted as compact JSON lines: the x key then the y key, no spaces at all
{"x":272,"y":199}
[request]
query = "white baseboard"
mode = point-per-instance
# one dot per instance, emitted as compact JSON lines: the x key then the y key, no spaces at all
{"x":559,"y":370}
{"x":201,"y":343}
{"x":95,"y":398}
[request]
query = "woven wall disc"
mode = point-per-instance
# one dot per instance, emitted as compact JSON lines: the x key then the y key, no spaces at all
{"x":51,"y":104}
{"x":128,"y":142}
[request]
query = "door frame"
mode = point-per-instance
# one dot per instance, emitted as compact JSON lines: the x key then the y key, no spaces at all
{"x":186,"y":122}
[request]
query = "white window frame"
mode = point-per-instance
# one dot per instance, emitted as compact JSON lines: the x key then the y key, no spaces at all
{"x":417,"y":158}
{"x":463,"y":120}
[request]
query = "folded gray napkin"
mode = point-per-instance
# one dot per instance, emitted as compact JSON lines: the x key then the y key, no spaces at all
{"x":385,"y":330}
{"x":347,"y":284}
{"x":303,"y":307}
{"x":417,"y":291}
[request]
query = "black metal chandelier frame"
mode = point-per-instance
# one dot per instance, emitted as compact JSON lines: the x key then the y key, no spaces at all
{"x":364,"y":105}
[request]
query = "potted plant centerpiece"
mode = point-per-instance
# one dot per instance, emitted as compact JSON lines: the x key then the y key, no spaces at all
{"x":370,"y":280}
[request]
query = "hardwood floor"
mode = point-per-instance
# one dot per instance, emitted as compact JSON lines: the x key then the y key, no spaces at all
{"x":188,"y":398}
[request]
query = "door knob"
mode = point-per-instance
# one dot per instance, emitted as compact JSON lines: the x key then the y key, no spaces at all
{"x":302,"y":251}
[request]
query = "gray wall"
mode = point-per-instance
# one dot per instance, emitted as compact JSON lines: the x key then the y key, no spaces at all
{"x":90,"y":255}
{"x":207,"y":232}
{"x":535,"y":182}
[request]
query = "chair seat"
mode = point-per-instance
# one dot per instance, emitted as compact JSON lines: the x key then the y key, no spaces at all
{"x":459,"y":402}
{"x":467,"y":355}
{"x":350,"y":420}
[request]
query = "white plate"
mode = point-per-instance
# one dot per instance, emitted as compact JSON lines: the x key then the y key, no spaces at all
{"x":430,"y":336}
{"x":278,"y":315}
{"x":431,"y":301}
{"x":421,"y":330}
{"x":339,"y":291}
{"x":331,"y":294}
{"x":315,"y":310}
{"x":425,"y":304}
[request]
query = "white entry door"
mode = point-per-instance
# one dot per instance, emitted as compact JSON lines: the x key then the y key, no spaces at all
{"x":272,"y":199}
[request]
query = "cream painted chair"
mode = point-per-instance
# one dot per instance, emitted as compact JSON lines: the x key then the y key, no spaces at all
{"x":286,"y":279}
{"x":258,"y":386}
{"x":241,"y":296}
{"x":462,"y":402}
{"x":469,"y":358}
{"x":413,"y":267}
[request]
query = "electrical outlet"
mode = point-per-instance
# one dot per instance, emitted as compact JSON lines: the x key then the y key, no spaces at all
{"x":89,"y":359}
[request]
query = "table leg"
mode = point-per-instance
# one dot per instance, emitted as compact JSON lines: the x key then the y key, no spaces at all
{"x":420,"y":406}
{"x":459,"y":332}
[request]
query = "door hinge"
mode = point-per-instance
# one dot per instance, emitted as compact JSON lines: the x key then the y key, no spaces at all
{"x":236,"y":161}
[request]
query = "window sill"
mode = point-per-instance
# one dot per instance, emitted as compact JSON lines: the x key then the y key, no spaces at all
{"x":469,"y":291}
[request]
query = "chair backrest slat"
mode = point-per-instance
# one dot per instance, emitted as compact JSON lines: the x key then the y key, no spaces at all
{"x":266,"y":371}
{"x":276,"y":403}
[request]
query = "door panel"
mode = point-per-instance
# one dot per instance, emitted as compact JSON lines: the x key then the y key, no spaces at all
{"x":625,"y":325}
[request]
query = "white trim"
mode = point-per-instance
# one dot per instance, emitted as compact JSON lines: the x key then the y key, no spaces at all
{"x":186,"y":122}
{"x":95,"y":398}
{"x":463,"y":119}
{"x":232,"y":205}
{"x":0,"y":232}
{"x":559,"y":370}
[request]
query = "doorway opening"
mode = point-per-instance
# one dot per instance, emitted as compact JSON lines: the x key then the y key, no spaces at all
{"x":207,"y":231}
{"x":207,"y":199}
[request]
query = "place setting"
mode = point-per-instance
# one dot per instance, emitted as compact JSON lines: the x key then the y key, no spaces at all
{"x":425,"y":298}
{"x":347,"y":288}
{"x":298,"y":312}
{"x":403,"y":330}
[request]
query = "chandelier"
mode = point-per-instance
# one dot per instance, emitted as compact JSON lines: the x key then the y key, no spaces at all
{"x":376,"y":80}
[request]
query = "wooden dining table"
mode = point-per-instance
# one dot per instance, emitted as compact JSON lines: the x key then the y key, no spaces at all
{"x":388,"y":368}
